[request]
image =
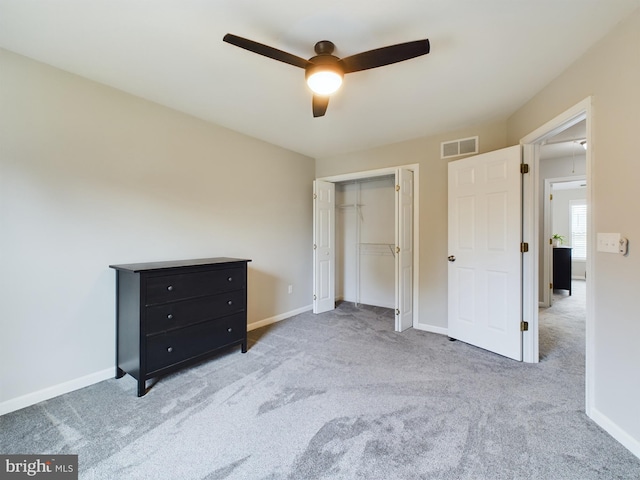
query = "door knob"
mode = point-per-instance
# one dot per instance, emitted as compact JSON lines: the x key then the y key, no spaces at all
{"x":451,"y":258}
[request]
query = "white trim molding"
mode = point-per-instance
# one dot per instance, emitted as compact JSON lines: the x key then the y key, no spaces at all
{"x":615,"y":431}
{"x":278,"y":318}
{"x":56,"y":390}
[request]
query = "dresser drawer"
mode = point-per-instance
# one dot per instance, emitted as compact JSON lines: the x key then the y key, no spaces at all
{"x":167,"y":349}
{"x":169,"y":288}
{"x":169,"y":316}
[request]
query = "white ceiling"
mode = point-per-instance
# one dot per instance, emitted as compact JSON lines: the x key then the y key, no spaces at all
{"x":566,"y":143}
{"x":487,"y":58}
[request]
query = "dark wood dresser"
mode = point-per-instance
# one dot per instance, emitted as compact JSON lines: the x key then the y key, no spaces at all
{"x":172,"y":314}
{"x":562,"y":268}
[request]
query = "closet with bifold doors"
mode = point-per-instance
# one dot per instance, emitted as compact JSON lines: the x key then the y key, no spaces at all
{"x":365,"y":241}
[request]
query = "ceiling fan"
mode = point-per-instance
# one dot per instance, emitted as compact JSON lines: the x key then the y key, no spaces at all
{"x":324,"y":71}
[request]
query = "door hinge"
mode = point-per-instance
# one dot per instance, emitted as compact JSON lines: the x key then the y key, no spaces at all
{"x":524,"y":168}
{"x":550,"y":241}
{"x":397,"y":188}
{"x":397,"y":249}
{"x":314,"y":297}
{"x":315,"y":196}
{"x":551,"y":196}
{"x":524,"y":247}
{"x":524,"y":326}
{"x":397,"y":311}
{"x":551,"y":286}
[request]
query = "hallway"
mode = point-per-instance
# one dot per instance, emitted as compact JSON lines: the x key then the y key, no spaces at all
{"x":562,"y":326}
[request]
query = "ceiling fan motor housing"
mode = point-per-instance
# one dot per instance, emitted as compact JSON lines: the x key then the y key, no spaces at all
{"x":324,"y":47}
{"x":322,"y":63}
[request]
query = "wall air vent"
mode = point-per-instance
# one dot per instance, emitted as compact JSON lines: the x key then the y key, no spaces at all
{"x":462,"y":146}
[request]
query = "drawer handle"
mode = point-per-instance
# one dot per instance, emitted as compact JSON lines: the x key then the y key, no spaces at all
{"x":170,"y":316}
{"x":230,"y":302}
{"x":170,"y":349}
{"x":229,"y":329}
{"x":170,"y":287}
{"x":230,"y":279}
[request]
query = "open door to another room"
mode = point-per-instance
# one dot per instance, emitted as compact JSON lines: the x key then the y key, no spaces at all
{"x":485,"y":235}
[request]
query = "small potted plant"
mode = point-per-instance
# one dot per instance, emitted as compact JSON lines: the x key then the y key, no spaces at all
{"x":557,"y":240}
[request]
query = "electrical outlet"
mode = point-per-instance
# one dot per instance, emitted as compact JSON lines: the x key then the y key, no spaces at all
{"x":623,"y":247}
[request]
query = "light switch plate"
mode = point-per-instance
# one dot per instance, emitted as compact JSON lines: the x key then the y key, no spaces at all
{"x":608,"y":242}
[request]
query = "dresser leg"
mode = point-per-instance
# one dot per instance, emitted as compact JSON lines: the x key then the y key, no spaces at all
{"x":142,"y":387}
{"x":244,"y":347}
{"x":120,"y":373}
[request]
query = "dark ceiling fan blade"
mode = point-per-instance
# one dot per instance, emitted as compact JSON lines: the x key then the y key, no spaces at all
{"x":385,"y":56}
{"x":320,"y":104}
{"x":266,"y":50}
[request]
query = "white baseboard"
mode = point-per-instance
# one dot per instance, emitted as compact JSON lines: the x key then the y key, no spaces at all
{"x":78,"y":383}
{"x":432,"y":329}
{"x":277,"y":318}
{"x":55,"y":390}
{"x":630,"y":443}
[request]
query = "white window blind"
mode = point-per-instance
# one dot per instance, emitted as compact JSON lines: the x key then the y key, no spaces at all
{"x":579,"y":229}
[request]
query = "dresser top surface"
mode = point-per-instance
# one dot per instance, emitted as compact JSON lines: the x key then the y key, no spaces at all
{"x":141,"y":267}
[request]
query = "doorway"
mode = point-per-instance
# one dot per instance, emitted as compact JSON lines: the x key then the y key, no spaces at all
{"x":533,"y":216}
{"x":563,"y":245}
{"x":562,"y":201}
{"x":365,"y":241}
{"x":400,"y":249}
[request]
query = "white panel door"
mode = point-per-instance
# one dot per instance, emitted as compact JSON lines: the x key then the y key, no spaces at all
{"x":324,"y":296}
{"x":485,"y":210}
{"x":404,"y":249}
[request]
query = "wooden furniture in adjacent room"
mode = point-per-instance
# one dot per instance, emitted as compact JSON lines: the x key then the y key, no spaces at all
{"x":562,"y":268}
{"x":173,"y":314}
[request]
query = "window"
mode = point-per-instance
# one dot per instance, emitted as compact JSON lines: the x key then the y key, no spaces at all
{"x":579,"y":229}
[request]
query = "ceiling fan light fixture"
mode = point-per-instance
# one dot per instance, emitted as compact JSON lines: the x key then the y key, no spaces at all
{"x":324,"y":82}
{"x":324,"y":75}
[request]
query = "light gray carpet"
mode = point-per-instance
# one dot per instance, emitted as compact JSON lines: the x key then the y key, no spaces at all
{"x":341,"y":396}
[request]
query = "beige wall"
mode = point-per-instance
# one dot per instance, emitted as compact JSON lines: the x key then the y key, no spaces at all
{"x":433,"y":204}
{"x":89,"y":177}
{"x":610,"y":73}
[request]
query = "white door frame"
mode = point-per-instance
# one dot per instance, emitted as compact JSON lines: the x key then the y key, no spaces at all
{"x":416,"y":218}
{"x":531,"y":184}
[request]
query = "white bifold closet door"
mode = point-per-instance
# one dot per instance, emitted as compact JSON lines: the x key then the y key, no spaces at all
{"x":324,"y":250}
{"x":404,"y":249}
{"x":374,"y":244}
